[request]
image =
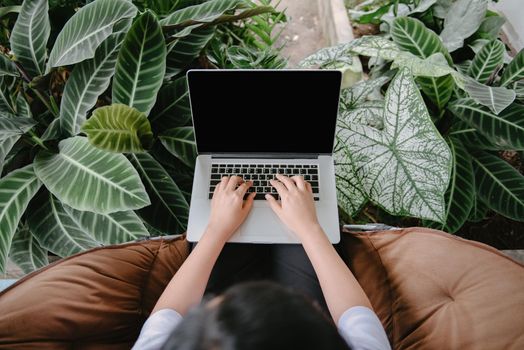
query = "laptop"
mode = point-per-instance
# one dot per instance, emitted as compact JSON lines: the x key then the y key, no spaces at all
{"x":256,"y":124}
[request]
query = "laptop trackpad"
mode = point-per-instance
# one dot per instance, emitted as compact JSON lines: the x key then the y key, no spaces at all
{"x":263,"y":225}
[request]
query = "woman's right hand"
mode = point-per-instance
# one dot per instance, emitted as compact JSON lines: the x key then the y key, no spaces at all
{"x":296,"y":208}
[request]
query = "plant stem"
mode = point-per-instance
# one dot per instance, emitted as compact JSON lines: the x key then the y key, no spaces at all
{"x":37,"y":140}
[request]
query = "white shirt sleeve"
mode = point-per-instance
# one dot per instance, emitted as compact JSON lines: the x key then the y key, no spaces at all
{"x":157,"y":329}
{"x":362,"y":330}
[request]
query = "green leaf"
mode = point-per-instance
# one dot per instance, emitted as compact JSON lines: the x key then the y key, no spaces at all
{"x":86,"y":178}
{"x":412,"y":35}
{"x":26,"y":253}
{"x":496,"y":98}
{"x":180,"y":142}
{"x":7,"y":102}
{"x":141,"y":64}
{"x":470,"y":137}
{"x":54,"y":229}
{"x":88,"y":80}
{"x":490,"y":27}
{"x":514,"y":71}
{"x":29,"y":36}
{"x":192,"y":17}
{"x":184,"y":50}
{"x":118,"y":128}
{"x":9,"y":9}
{"x":460,"y":195}
{"x":479,"y":211}
{"x":500,"y":185}
{"x":14,"y":126}
{"x":487,"y":61}
{"x":113,"y":228}
{"x":462,"y":20}
{"x":370,"y":113}
{"x":6,"y":144}
{"x":405,"y":168}
{"x":374,"y":46}
{"x":433,"y":66}
{"x":169,"y":209}
{"x":350,"y":97}
{"x":505,"y":130}
{"x":7,"y":67}
{"x":336,"y":57}
{"x":16,"y":190}
{"x":87,"y":29}
{"x":172,"y":108}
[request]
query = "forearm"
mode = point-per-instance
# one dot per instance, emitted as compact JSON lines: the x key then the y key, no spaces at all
{"x":340,"y":288}
{"x":187,"y":286}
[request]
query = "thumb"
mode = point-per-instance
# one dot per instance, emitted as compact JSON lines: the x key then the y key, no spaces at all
{"x":273,"y":204}
{"x":249,"y":202}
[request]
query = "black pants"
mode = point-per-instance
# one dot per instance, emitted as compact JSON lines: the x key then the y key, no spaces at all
{"x":286,"y":264}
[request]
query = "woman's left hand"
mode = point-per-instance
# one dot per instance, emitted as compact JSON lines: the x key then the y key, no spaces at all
{"x":228,"y":208}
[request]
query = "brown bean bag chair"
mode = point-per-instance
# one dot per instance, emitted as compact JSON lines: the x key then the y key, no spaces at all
{"x":430,"y":289}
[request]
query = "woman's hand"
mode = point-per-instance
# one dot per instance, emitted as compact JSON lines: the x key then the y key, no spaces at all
{"x":228,"y":208}
{"x":297,"y":208}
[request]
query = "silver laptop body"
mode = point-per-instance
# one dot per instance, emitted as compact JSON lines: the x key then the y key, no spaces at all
{"x":254,"y":124}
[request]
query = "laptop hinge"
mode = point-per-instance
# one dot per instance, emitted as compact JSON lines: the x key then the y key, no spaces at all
{"x":267,"y":155}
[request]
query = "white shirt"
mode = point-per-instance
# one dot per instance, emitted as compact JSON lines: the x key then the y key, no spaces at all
{"x":358,"y":325}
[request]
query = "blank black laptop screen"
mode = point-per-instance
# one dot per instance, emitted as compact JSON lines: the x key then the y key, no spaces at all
{"x":291,"y":111}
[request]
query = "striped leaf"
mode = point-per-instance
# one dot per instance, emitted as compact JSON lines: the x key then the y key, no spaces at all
{"x":192,"y":17}
{"x":172,"y":109}
{"x":114,"y":228}
{"x":30,"y":34}
{"x":514,"y":71}
{"x":87,"y":81}
{"x":6,"y":145}
{"x":460,"y":195}
{"x":54,"y":229}
{"x":495,"y":98}
{"x":412,"y":35}
{"x":180,"y":142}
{"x":7,"y":100}
{"x":373,"y":46}
{"x":118,"y":128}
{"x":141,"y":64}
{"x":470,"y":137}
{"x":169,"y":209}
{"x":26,"y":252}
{"x":405,"y":167}
{"x":87,"y":29}
{"x":462,"y":20}
{"x":500,"y":185}
{"x":184,"y":50}
{"x":86,"y":178}
{"x":487,"y":61}
{"x":479,"y":211}
{"x":16,"y":190}
{"x":14,"y":126}
{"x":9,"y":9}
{"x":7,"y":67}
{"x":505,"y":130}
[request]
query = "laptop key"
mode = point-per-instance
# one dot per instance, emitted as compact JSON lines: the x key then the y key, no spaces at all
{"x":316,"y":198}
{"x":314,"y":183}
{"x":215,"y":177}
{"x":315,"y":189}
{"x":210,"y":195}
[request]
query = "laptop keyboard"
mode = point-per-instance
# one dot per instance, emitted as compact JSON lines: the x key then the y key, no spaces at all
{"x":260,"y":174}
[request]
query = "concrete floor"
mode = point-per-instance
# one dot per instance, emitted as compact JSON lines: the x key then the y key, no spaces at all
{"x":302,"y":33}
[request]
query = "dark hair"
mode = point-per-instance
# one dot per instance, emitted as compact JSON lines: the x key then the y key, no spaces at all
{"x":253,"y":316}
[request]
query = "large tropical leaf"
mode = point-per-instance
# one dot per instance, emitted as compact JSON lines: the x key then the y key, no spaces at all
{"x":87,"y":81}
{"x":471,"y":137}
{"x":118,"y":128}
{"x":180,"y":142}
{"x":16,"y":190}
{"x":496,"y":98}
{"x":336,"y":57}
{"x":54,"y":229}
{"x":7,"y":100}
{"x":9,"y":9}
{"x":405,"y":168}
{"x":370,"y":113}
{"x":141,"y":64}
{"x":514,"y":71}
{"x":350,"y":97}
{"x":487,"y":61}
{"x":172,"y":108}
{"x":500,"y":185}
{"x":6,"y":144}
{"x":479,"y":211}
{"x":183,"y":51}
{"x":7,"y":67}
{"x":14,"y":126}
{"x":114,"y":228}
{"x":374,"y":46}
{"x":460,"y":195}
{"x":87,"y":178}
{"x":87,"y":29}
{"x":26,"y":252}
{"x":169,"y":209}
{"x":505,"y":130}
{"x":462,"y":20}
{"x":412,"y":35}
{"x":29,"y":36}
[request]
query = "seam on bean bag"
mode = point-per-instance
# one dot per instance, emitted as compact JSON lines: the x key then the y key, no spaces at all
{"x":146,"y":278}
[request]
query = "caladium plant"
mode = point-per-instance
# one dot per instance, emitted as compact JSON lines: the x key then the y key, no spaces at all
{"x":96,"y":142}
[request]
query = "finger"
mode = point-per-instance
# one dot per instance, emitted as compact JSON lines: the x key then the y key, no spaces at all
{"x":217,"y":188}
{"x":224,"y":182}
{"x":233,"y":182}
{"x":299,"y":181}
{"x":248,"y":203}
{"x":242,"y":189}
{"x":281,"y":189}
{"x":290,"y":185}
{"x":273,"y":203}
{"x":309,"y":188}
